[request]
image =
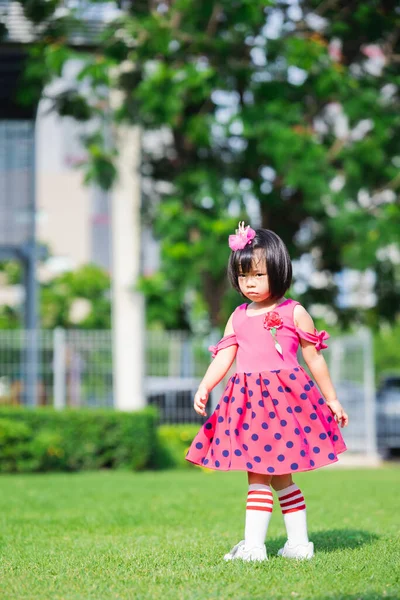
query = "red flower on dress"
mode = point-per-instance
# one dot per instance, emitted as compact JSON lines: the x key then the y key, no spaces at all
{"x":272,"y":320}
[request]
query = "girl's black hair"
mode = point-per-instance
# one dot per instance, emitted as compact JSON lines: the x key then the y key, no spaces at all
{"x":277,"y":259}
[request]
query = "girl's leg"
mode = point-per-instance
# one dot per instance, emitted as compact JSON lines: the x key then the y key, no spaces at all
{"x":258,"y":510}
{"x":293,"y":509}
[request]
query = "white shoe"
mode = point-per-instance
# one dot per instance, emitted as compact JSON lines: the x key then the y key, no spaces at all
{"x":252,"y":554}
{"x":301,"y":551}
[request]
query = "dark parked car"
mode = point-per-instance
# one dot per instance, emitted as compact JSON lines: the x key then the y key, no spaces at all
{"x":388,"y":415}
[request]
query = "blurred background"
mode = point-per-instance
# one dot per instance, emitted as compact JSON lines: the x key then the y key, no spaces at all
{"x":133,"y":137}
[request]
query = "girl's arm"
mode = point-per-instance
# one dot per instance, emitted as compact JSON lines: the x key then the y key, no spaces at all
{"x":317,"y":365}
{"x":215,"y":372}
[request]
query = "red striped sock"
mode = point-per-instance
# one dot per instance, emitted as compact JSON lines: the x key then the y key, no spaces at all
{"x":260,"y":502}
{"x":293,"y":508}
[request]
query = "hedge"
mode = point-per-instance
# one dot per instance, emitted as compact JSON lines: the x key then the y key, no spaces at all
{"x":43,"y":439}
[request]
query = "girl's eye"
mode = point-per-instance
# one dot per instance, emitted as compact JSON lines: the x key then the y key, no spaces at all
{"x":260,"y":274}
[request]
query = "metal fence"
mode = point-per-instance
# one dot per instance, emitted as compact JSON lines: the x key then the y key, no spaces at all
{"x":75,"y":369}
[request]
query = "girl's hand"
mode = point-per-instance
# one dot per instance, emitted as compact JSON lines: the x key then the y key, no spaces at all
{"x":336,"y":409}
{"x":200,"y":400}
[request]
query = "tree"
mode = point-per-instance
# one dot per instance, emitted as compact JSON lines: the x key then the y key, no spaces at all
{"x":286,"y":112}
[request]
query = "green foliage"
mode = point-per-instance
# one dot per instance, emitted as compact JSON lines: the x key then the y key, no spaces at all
{"x":43,"y":439}
{"x":89,"y":283}
{"x":172,"y":444}
{"x":253,"y":116}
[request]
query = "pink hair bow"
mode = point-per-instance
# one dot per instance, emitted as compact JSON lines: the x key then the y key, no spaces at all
{"x":243,"y":236}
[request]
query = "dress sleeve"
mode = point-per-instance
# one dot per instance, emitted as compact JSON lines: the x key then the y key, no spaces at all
{"x":316,"y":338}
{"x":225,"y":342}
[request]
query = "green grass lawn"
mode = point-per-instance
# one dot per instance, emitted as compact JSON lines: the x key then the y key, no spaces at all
{"x":111,"y":535}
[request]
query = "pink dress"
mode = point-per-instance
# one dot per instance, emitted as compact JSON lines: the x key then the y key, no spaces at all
{"x":271,"y":418}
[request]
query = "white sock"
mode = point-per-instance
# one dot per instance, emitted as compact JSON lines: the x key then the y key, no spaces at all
{"x":294,"y":514}
{"x":259,"y":506}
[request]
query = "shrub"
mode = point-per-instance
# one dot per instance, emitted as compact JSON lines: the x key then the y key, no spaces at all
{"x":43,"y":439}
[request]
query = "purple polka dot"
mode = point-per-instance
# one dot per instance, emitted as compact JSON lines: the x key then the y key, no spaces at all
{"x":292,"y":376}
{"x":202,"y":460}
{"x":288,"y":389}
{"x":253,"y":415}
{"x":199,"y":445}
{"x":227,"y":432}
{"x":321,"y":401}
{"x":239,"y":411}
{"x":307,"y":387}
{"x":289,"y":410}
{"x":330,"y":419}
{"x":289,"y":444}
{"x":248,"y":404}
{"x":249,"y":465}
{"x":314,"y":406}
{"x":331,"y":456}
{"x":313,"y":416}
{"x":307,"y":429}
{"x":271,"y":470}
{"x":303,"y":396}
{"x":248,"y":374}
{"x":254,"y":437}
{"x":305,"y":441}
{"x":212,"y":452}
{"x":230,"y":419}
{"x":281,"y":458}
{"x":272,"y":415}
{"x":311,"y":383}
{"x":264,"y":425}
{"x":258,"y":381}
{"x":226,"y":399}
{"x":329,"y":433}
{"x":294,"y":466}
{"x":233,"y":380}
{"x":236,"y":431}
{"x":218,"y":441}
{"x":297,"y":431}
{"x":275,"y":402}
{"x":233,"y":399}
{"x":322,"y":436}
{"x":220,"y":419}
{"x":257,"y":459}
{"x":302,"y":452}
{"x":217,"y":463}
{"x":298,"y":409}
{"x":225,"y":453}
{"x":243,"y":390}
{"x":265,"y":394}
{"x":250,"y":392}
{"x":246,"y":426}
{"x":237,"y":380}
{"x":238,"y":452}
{"x":316,"y":450}
{"x":335,"y":438}
{"x":206,"y":461}
{"x":245,"y":447}
{"x":261,"y":403}
{"x":277,"y":436}
{"x":267,"y":448}
{"x":312,"y":463}
{"x":208,"y":426}
{"x":217,"y":407}
{"x":280,"y":389}
{"x":266,"y":381}
{"x":283,"y":423}
{"x":296,"y":369}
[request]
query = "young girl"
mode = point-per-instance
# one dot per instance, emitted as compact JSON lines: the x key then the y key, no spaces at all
{"x":272,"y":420}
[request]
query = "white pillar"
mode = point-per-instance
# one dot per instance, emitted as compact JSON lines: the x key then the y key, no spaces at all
{"x":127,"y":304}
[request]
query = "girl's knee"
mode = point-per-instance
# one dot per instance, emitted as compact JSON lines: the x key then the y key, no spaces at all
{"x":280,"y":482}
{"x":258,"y":478}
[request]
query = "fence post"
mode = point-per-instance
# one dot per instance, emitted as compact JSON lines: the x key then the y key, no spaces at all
{"x":59,"y":366}
{"x":369,"y":393}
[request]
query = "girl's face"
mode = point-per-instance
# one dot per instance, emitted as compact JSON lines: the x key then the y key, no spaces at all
{"x":254,"y":284}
